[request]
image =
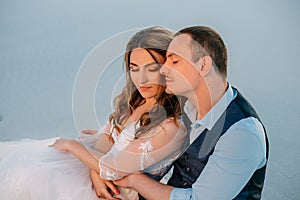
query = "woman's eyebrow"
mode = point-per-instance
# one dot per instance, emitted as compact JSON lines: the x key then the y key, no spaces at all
{"x":146,"y":65}
{"x":133,"y":64}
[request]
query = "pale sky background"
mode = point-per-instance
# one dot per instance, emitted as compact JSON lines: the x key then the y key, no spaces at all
{"x":43,"y":44}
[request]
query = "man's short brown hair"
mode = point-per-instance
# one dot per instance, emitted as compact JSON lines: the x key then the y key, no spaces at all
{"x":207,"y":42}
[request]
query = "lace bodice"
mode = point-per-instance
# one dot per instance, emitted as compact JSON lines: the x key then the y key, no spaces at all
{"x":151,"y":153}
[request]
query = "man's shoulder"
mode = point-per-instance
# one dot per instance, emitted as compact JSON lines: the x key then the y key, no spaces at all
{"x":249,"y":127}
{"x":246,"y":137}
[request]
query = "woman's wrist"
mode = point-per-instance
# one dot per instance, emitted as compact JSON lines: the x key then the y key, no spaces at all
{"x":71,"y":145}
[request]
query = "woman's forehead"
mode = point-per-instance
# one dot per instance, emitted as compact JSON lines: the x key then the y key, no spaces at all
{"x":140,"y":56}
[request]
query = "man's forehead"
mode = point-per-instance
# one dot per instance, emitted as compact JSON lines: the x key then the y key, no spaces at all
{"x":181,"y":45}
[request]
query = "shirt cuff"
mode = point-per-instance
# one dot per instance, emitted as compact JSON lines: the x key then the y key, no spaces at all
{"x":181,"y":193}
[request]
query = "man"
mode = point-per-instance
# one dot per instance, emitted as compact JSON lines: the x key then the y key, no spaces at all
{"x":228,"y":154}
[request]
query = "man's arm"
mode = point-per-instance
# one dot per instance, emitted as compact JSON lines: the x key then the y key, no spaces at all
{"x":147,"y":187}
{"x":236,"y":156}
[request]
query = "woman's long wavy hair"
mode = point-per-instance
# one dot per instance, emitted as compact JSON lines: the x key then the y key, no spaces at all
{"x":155,"y":40}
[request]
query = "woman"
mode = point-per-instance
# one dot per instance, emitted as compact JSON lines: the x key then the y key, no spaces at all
{"x":143,"y":135}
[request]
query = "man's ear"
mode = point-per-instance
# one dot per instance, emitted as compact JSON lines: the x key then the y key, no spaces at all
{"x":204,"y":65}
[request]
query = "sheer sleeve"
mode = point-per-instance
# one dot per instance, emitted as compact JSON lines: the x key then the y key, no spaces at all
{"x":100,"y":141}
{"x":158,"y":148}
{"x":104,"y":143}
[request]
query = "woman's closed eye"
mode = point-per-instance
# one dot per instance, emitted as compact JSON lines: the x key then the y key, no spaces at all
{"x":154,"y":67}
{"x":134,"y":68}
{"x":151,"y":67}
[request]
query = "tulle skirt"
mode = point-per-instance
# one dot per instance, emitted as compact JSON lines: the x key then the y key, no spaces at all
{"x":33,"y":171}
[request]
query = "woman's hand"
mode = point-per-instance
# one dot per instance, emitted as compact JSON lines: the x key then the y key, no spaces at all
{"x":103,"y":188}
{"x":88,"y":131}
{"x":62,"y":144}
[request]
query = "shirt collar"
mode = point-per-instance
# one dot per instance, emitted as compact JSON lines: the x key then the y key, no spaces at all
{"x":209,"y":120}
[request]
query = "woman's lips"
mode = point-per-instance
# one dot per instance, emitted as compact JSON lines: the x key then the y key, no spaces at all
{"x":144,"y":88}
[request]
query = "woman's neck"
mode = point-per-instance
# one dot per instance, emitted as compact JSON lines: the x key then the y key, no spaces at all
{"x":140,"y":110}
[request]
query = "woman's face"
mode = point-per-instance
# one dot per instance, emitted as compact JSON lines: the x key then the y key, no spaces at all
{"x":144,"y":73}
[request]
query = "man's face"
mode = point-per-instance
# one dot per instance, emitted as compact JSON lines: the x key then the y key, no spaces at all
{"x":180,"y":72}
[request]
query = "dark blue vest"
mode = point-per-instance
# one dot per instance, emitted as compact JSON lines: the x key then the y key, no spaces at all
{"x":190,"y":165}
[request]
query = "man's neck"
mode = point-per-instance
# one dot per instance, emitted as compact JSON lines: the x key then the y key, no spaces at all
{"x":206,"y":96}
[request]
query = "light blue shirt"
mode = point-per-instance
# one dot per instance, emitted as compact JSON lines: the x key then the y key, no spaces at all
{"x":237,"y":154}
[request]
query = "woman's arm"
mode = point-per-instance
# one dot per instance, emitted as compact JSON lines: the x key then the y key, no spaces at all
{"x":88,"y":156}
{"x":166,"y":142}
{"x":102,"y":142}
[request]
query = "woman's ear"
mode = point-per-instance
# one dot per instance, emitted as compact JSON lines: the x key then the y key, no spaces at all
{"x":204,"y":65}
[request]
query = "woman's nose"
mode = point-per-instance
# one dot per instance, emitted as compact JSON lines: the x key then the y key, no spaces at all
{"x":142,"y":77}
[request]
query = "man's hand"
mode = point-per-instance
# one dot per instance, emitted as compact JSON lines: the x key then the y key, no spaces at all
{"x":126,"y":182}
{"x":154,"y":190}
{"x":104,"y":188}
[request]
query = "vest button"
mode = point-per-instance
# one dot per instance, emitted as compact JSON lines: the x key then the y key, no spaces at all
{"x":188,"y":169}
{"x":186,"y":157}
{"x":185,"y":183}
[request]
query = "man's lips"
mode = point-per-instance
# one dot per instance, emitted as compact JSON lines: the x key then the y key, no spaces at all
{"x":168,"y":80}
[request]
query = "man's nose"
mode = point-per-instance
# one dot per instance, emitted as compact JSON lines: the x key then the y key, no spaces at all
{"x":164,"y":69}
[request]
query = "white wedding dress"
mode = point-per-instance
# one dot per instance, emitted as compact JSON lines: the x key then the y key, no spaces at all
{"x":35,"y":171}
